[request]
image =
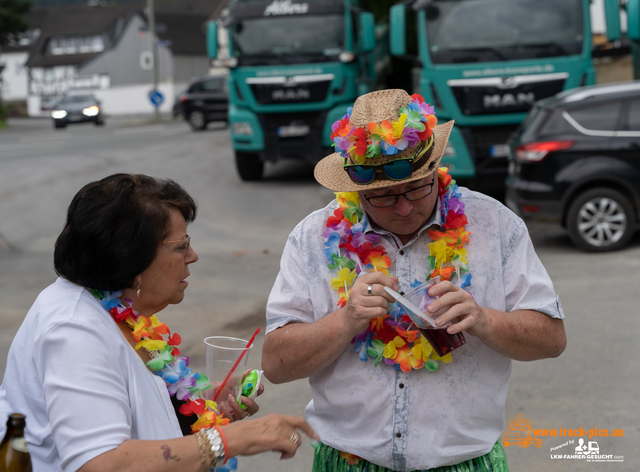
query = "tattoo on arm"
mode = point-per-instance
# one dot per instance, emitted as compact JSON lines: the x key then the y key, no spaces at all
{"x":166,"y":453}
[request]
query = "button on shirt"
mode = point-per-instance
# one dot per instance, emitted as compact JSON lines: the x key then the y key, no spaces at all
{"x":422,"y":419}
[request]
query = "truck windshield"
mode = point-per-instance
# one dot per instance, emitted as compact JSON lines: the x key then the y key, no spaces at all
{"x":285,"y":36}
{"x":462,"y":31}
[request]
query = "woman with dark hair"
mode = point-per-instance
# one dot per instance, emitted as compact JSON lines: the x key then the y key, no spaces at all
{"x":98,"y":376}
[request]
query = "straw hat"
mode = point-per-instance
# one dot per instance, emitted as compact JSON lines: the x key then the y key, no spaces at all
{"x":376,"y":107}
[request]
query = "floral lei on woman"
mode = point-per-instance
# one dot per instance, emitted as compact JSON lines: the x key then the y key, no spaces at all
{"x":166,"y":362}
{"x":415,"y":123}
{"x":352,"y":253}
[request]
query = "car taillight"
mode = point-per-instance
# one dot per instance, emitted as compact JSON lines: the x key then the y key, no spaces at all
{"x":183,"y":98}
{"x":535,"y":152}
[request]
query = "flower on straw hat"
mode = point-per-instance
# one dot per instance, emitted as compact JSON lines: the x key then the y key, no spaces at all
{"x":415,"y":123}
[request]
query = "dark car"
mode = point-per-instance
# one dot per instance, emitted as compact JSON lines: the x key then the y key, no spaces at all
{"x":77,"y":109}
{"x":576,"y":161}
{"x":205,"y":100}
{"x":176,"y":111}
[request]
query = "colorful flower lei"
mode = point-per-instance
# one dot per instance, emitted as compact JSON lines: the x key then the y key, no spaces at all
{"x":166,"y":362}
{"x":415,"y":123}
{"x":352,"y":253}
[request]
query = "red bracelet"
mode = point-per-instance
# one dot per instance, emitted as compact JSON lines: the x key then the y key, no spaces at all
{"x":224,"y":442}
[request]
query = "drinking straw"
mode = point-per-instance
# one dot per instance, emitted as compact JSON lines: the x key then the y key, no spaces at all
{"x":226,"y":379}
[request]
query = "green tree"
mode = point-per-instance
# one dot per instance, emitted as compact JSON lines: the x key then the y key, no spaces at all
{"x":11,"y":19}
{"x":11,"y":23}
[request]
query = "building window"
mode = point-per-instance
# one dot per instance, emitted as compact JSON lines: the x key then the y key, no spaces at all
{"x":76,"y":44}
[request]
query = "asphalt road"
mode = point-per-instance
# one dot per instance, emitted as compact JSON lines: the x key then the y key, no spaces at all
{"x":239,"y":235}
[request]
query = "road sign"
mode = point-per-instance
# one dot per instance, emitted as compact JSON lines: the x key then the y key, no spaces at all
{"x":156,"y":98}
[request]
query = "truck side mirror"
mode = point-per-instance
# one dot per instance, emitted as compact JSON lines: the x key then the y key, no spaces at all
{"x":633,"y":19}
{"x":612,"y":18}
{"x":397,"y":30}
{"x":212,"y":39}
{"x":367,"y":32}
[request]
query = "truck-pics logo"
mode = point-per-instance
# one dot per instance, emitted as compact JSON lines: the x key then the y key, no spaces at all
{"x":285,"y":7}
{"x":521,"y":432}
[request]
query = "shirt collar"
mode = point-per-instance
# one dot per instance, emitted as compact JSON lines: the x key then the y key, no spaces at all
{"x":434,"y":220}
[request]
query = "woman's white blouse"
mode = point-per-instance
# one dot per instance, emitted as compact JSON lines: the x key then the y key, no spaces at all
{"x":82,"y":387}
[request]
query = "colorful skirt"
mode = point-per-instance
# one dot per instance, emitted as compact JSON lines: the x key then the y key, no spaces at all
{"x":328,"y":459}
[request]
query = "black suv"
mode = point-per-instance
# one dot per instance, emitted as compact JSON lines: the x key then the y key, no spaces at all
{"x":576,"y":160}
{"x":205,"y":100}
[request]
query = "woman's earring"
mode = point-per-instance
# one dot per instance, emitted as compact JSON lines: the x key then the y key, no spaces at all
{"x":138,"y":293}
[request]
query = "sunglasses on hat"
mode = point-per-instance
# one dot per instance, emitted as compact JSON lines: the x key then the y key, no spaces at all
{"x":399,"y":169}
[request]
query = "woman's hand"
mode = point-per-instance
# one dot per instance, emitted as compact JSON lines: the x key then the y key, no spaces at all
{"x":278,"y":433}
{"x":237,"y":412}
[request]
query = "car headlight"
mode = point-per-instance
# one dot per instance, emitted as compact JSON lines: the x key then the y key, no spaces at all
{"x":91,"y":111}
{"x":242,"y":127}
{"x":58,"y":114}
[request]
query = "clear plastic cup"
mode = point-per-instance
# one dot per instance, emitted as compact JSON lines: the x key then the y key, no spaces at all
{"x":440,"y":340}
{"x":222,"y":354}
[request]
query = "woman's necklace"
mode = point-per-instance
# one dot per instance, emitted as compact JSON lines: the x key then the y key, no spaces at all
{"x":150,"y":334}
{"x":352,"y":253}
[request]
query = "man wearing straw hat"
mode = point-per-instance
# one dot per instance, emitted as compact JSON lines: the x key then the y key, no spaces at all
{"x":383,"y":398}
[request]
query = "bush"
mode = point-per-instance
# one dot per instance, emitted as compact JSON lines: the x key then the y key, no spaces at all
{"x":4,"y":111}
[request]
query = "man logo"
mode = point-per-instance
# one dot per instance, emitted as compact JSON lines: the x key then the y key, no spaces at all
{"x":282,"y":95}
{"x":508,"y":100}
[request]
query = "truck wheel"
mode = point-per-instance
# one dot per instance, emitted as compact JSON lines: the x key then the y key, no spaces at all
{"x":59,"y":124}
{"x":249,"y":165}
{"x":197,"y":120}
{"x":600,"y":219}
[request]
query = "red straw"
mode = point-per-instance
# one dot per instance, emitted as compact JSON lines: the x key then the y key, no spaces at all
{"x":226,"y":379}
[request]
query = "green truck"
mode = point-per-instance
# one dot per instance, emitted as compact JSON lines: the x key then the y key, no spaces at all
{"x":294,"y":69}
{"x":483,"y":63}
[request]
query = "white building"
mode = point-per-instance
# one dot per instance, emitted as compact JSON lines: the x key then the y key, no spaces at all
{"x":106,"y":50}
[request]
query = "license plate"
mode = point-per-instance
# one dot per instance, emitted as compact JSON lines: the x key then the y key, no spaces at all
{"x":293,"y":131}
{"x":500,"y":150}
{"x":74,"y":118}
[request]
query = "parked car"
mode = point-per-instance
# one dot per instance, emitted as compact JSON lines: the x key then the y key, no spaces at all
{"x":575,"y":160}
{"x":77,"y":109}
{"x":205,"y":100}
{"x":176,"y":111}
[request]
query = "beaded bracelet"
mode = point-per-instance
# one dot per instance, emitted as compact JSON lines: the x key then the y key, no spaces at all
{"x":218,"y":447}
{"x":202,"y":444}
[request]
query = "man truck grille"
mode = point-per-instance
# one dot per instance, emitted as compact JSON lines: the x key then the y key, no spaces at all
{"x":504,"y":94}
{"x":297,"y":89}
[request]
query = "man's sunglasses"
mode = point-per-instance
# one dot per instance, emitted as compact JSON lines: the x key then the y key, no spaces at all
{"x":399,"y":169}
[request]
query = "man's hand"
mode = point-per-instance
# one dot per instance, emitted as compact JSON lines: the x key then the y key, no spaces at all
{"x":460,"y":309}
{"x":523,"y":335}
{"x":361,"y":307}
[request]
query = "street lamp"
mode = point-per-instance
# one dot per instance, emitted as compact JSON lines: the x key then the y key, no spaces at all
{"x":151,"y":18}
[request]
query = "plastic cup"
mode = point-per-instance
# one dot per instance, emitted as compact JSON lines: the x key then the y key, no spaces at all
{"x":440,"y":340}
{"x":222,"y":354}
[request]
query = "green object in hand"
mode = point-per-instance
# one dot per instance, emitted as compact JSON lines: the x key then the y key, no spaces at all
{"x":250,"y":386}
